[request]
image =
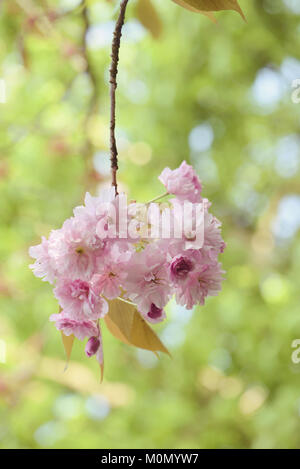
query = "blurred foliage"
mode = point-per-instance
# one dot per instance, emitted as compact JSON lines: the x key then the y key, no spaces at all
{"x":218,"y":96}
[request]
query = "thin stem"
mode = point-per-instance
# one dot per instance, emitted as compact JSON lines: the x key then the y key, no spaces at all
{"x":157,"y":198}
{"x":113,"y":85}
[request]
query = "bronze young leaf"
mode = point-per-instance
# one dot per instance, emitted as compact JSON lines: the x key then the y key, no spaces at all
{"x":206,"y":6}
{"x":149,"y":17}
{"x":68,"y":341}
{"x":185,"y":5}
{"x":126,"y":324}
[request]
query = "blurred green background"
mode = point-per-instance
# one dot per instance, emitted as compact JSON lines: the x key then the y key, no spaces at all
{"x":219,"y":96}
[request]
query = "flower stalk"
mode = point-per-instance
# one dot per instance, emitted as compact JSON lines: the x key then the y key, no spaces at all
{"x":113,"y":86}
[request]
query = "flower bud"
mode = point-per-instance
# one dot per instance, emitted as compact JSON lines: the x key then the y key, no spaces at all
{"x":92,"y":346}
{"x":155,"y":313}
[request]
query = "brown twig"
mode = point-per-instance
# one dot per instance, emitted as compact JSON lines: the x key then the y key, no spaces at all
{"x":113,"y":85}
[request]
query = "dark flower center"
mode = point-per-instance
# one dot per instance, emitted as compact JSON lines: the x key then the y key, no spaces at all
{"x":155,"y":312}
{"x":181,"y":267}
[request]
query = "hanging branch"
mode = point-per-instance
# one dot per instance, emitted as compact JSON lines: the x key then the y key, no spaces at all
{"x":113,"y":85}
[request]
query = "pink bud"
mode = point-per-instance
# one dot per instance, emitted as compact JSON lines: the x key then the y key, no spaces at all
{"x":92,"y":346}
{"x":155,"y":312}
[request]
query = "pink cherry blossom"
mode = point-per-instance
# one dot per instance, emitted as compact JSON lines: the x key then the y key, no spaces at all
{"x":145,"y":252}
{"x":213,"y":241}
{"x":180,"y":267}
{"x":205,"y":279}
{"x":182,"y":182}
{"x":109,"y":280}
{"x":78,"y":299}
{"x":44,"y":267}
{"x":73,"y":249}
{"x":147,"y":280}
{"x":111,"y":271}
{"x":92,"y":204}
{"x":68,"y":325}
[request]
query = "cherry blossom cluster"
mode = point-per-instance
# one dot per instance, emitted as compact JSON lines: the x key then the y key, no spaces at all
{"x":144,"y":253}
